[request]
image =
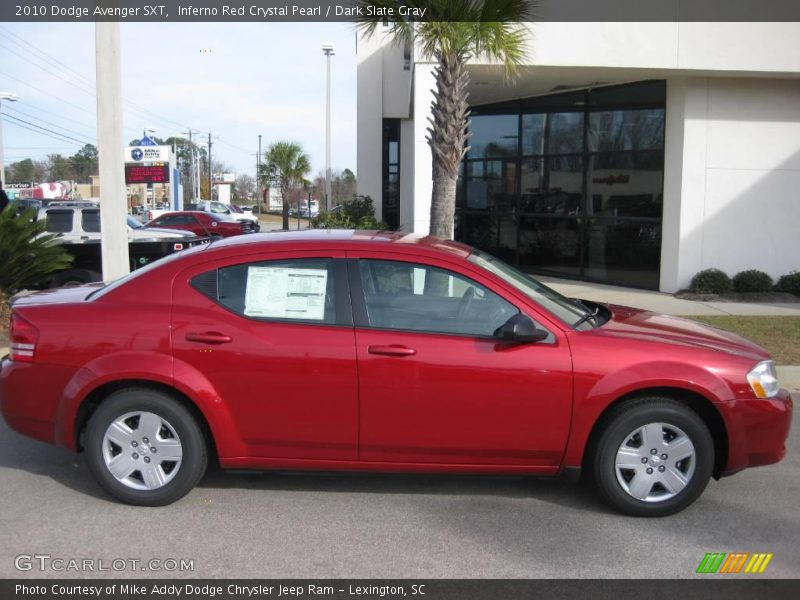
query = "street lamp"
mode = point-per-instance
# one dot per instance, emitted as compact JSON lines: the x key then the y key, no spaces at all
{"x":258,"y":178}
{"x":327,"y":49}
{"x":148,"y":186}
{"x":8,"y":96}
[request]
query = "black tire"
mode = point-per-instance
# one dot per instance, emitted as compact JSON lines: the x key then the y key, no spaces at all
{"x":194,"y":458}
{"x":626,"y":419}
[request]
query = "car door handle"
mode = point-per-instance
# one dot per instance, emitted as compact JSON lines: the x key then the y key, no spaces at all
{"x":392,"y":350}
{"x":209,"y":337}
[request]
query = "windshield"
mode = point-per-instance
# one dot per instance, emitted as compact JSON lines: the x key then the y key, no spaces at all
{"x":569,"y":311}
{"x":133,"y":222}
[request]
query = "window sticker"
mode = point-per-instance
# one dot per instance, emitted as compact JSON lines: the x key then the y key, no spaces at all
{"x":286,"y":293}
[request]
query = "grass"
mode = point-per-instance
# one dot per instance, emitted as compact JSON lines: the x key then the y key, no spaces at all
{"x":779,"y":335}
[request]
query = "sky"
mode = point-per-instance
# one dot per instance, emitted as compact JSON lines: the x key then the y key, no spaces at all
{"x":235,"y":81}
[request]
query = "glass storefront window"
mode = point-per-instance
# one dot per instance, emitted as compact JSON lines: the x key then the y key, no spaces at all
{"x":493,"y":136}
{"x":623,"y":130}
{"x":581,"y":194}
{"x":490,"y":185}
{"x":533,"y":134}
{"x":565,"y":135}
{"x":391,"y":173}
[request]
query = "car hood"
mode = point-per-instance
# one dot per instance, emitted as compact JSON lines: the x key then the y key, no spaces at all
{"x":640,"y":324}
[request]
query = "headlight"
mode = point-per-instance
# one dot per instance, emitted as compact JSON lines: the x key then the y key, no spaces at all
{"x":764,"y":380}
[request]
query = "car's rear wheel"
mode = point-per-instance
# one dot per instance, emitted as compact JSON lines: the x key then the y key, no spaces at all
{"x":653,"y":458}
{"x":145,"y":448}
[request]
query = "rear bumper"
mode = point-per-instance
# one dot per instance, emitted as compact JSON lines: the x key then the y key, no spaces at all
{"x":757,"y":430}
{"x":29,"y":397}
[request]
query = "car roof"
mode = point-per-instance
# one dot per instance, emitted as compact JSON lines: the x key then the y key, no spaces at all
{"x":346,"y":238}
{"x":182,"y":212}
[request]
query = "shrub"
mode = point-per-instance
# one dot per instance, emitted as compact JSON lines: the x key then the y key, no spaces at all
{"x":790,"y":283}
{"x":358,"y":213}
{"x":710,"y":281}
{"x":5,"y":311}
{"x":752,"y":281}
{"x":28,"y":251}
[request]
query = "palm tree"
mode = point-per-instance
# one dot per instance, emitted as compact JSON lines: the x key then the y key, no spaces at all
{"x":287,"y":162}
{"x":453,"y":32}
{"x":29,"y":252}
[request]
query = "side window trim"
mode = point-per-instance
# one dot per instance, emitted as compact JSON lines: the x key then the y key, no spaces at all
{"x":358,"y":302}
{"x":342,"y":303}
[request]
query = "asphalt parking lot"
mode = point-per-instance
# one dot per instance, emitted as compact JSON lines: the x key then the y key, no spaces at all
{"x":371,"y":526}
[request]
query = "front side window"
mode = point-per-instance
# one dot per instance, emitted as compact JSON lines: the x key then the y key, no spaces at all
{"x":294,"y":290}
{"x":565,"y":309}
{"x":415,"y":297}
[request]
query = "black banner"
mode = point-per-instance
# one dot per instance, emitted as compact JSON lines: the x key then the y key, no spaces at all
{"x":734,"y":588}
{"x":411,"y":10}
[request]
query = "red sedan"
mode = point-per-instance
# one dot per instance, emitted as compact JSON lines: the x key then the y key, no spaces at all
{"x":344,"y":350}
{"x":200,"y":223}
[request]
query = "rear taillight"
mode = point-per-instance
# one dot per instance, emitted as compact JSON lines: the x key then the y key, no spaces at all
{"x":23,"y":339}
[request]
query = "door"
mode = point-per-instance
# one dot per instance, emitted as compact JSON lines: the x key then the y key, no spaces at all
{"x":273,"y":334}
{"x":435,"y":385}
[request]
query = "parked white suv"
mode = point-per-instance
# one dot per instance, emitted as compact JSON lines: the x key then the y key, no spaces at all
{"x":80,"y":221}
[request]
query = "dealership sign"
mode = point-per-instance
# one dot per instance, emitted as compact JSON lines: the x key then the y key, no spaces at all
{"x":147,"y":163}
{"x":154,"y":173}
{"x":146,"y":154}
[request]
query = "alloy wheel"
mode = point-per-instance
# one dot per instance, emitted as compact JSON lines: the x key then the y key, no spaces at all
{"x":142,"y":450}
{"x":655,"y":462}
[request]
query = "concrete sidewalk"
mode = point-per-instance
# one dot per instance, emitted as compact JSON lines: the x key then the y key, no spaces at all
{"x":666,"y":303}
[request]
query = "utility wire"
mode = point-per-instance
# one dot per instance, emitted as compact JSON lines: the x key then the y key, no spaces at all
{"x":26,"y":114}
{"x":62,"y":135}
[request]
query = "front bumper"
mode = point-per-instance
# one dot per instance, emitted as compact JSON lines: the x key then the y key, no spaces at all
{"x":757,"y":430}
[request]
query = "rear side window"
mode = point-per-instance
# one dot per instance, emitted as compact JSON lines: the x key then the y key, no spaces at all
{"x":90,"y":220}
{"x":59,"y":221}
{"x":296,"y":290}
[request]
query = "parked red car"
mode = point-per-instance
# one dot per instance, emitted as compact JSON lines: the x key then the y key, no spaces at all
{"x":200,"y":223}
{"x":347,"y":350}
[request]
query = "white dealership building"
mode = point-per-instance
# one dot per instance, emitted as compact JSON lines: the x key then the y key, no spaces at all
{"x":626,"y":153}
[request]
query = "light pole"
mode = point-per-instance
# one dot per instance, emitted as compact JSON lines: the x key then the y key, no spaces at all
{"x":328,"y":50}
{"x":111,"y":158}
{"x":148,"y":187}
{"x":258,"y":177}
{"x":9,"y":97}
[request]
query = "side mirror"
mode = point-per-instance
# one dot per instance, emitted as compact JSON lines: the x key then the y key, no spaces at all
{"x":520,"y":329}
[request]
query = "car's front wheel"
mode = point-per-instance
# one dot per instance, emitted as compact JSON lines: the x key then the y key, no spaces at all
{"x":144,"y":447}
{"x":653,"y":458}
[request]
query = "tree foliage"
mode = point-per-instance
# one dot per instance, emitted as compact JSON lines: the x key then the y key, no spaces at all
{"x":355,"y":213}
{"x":29,"y":252}
{"x":56,"y":167}
{"x":286,"y":162}
{"x":454,"y":32}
